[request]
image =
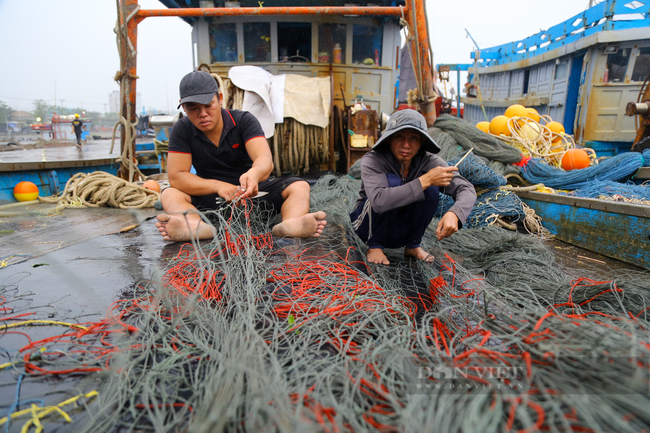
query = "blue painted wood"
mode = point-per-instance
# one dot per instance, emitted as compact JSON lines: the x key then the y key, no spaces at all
{"x":572,"y":93}
{"x":586,"y":23}
{"x":8,"y":180}
{"x":619,"y":236}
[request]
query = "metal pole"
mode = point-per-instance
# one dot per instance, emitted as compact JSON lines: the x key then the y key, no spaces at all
{"x":7,"y":124}
{"x":295,"y":10}
{"x":458,"y":93}
{"x":427,"y":106}
{"x":130,"y":62}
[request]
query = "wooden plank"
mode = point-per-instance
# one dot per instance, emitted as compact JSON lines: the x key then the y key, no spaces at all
{"x":617,"y":235}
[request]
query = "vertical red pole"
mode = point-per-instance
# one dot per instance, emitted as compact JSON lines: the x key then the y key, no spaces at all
{"x":427,"y":107}
{"x":129,"y":59}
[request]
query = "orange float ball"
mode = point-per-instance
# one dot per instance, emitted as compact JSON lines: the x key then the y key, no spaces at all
{"x":575,"y":159}
{"x":557,"y":128}
{"x":499,"y":125}
{"x":516,"y":110}
{"x":25,"y":191}
{"x":152,"y":185}
{"x":483,"y":126}
{"x":533,"y":114}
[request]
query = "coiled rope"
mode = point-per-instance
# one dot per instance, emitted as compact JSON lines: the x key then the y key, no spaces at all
{"x":101,"y":189}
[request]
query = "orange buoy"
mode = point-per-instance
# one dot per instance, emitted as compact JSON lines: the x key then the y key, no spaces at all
{"x":557,"y":128}
{"x":516,"y":110}
{"x":499,"y":125}
{"x":533,"y":114}
{"x":483,"y":126}
{"x":152,"y":185}
{"x":25,"y":191}
{"x":575,"y":159}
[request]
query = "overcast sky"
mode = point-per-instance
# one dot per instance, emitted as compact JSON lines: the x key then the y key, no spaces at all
{"x":66,"y":49}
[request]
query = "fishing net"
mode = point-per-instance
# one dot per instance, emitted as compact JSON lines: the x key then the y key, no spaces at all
{"x":616,"y":168}
{"x":609,"y":190}
{"x":500,"y":207}
{"x":450,"y":132}
{"x":248,"y":333}
{"x":477,"y":172}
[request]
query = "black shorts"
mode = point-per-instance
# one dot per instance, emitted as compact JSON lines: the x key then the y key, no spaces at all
{"x":272,"y":200}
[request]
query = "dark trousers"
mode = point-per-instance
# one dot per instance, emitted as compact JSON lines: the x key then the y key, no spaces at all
{"x":404,"y":226}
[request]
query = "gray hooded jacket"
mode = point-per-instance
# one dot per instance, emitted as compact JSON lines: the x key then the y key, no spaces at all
{"x":374,"y":183}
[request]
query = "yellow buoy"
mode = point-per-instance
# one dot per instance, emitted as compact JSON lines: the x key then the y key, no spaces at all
{"x":557,"y":128}
{"x":533,"y":114}
{"x":499,"y":125}
{"x":516,"y":110}
{"x":25,"y":191}
{"x":483,"y":126}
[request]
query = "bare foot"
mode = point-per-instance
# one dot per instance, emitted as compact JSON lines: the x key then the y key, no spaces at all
{"x":305,"y":226}
{"x":376,"y":255}
{"x":419,"y":254}
{"x":183,"y":227}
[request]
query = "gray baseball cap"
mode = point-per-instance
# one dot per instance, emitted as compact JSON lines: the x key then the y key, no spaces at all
{"x":199,"y":87}
{"x":408,"y":119}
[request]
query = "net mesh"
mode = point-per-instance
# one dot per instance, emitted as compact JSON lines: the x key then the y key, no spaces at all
{"x":248,"y":333}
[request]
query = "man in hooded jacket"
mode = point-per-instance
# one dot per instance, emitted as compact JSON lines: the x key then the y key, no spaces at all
{"x":400,"y":183}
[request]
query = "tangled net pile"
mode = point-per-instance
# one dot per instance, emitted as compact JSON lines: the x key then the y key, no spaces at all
{"x":248,"y":333}
{"x":455,"y":136}
{"x":609,"y":190}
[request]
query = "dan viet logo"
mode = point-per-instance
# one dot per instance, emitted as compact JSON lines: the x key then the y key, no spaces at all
{"x":610,"y":375}
{"x":441,"y":378}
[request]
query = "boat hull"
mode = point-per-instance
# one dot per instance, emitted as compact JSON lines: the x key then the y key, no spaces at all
{"x":613,"y":229}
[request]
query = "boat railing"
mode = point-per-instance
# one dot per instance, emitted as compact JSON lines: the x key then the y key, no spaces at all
{"x":606,"y":16}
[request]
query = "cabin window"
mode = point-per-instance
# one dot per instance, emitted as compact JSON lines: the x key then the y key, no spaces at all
{"x":257,"y":42}
{"x":617,"y":66}
{"x":366,"y":44}
{"x":642,"y":65}
{"x":294,"y":42}
{"x":560,"y":71}
{"x":223,"y":42}
{"x":331,"y":43}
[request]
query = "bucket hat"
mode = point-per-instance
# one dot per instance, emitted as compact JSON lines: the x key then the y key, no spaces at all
{"x":408,"y":119}
{"x":199,"y":87}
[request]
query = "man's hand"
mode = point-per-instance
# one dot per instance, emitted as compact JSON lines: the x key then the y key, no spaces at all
{"x":248,"y":185}
{"x":447,"y":226}
{"x":438,"y":176}
{"x":228,"y":192}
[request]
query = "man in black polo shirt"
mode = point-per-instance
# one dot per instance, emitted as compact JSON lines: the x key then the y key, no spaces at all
{"x":232,"y":160}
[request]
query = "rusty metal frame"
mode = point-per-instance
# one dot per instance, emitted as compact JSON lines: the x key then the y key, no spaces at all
{"x":427,"y":107}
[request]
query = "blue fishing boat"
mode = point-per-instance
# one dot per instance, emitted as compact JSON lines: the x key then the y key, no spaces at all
{"x":590,"y":73}
{"x":581,"y":72}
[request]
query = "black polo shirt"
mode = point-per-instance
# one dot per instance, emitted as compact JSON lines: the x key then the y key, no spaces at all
{"x":226,"y":162}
